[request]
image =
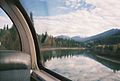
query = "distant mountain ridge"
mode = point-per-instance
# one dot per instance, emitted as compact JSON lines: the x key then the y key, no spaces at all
{"x":104,"y":34}
{"x":76,"y":38}
{"x":63,"y":37}
{"x":98,"y":36}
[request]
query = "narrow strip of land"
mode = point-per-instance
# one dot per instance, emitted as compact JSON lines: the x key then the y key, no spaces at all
{"x":61,"y":48}
{"x":109,"y":59}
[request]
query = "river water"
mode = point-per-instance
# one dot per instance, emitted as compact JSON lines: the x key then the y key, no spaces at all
{"x":81,"y":65}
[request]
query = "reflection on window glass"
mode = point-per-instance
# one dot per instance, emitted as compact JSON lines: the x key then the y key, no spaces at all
{"x":9,"y":38}
{"x":79,"y":39}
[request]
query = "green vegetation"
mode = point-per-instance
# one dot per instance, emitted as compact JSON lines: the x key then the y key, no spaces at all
{"x":58,"y":42}
{"x":106,"y":45}
{"x":9,"y":39}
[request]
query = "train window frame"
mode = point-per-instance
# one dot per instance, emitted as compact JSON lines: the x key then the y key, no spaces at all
{"x":13,"y":25}
{"x":20,"y":22}
{"x":37,"y":47}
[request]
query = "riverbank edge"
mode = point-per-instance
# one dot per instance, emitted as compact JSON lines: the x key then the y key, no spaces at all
{"x":61,"y":48}
{"x":109,"y":59}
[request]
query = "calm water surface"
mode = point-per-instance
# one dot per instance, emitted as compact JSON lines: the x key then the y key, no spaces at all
{"x":81,"y":65}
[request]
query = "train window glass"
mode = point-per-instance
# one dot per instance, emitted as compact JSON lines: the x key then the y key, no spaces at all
{"x":79,"y":39}
{"x":9,"y":38}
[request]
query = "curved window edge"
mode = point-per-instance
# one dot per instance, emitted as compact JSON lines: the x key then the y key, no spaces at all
{"x":20,"y":42}
{"x":39,"y":61}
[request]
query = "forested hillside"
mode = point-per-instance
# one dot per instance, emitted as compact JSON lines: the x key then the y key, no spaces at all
{"x":106,"y":43}
{"x":59,"y":42}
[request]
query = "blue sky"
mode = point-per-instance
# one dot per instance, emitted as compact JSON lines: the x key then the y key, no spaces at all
{"x":73,"y":17}
{"x":32,"y":6}
{"x":1,"y":12}
{"x":55,"y":7}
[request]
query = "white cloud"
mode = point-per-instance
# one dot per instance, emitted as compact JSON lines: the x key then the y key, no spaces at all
{"x":106,"y":7}
{"x":77,"y":23}
{"x":86,"y":70}
{"x":105,"y":16}
{"x":79,"y":4}
{"x":5,"y":21}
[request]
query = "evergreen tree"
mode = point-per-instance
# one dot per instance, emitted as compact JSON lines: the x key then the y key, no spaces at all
{"x":7,"y":27}
{"x":31,"y":17}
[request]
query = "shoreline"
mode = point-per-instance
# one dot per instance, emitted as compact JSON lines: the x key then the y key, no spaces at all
{"x":61,"y":48}
{"x":109,"y":59}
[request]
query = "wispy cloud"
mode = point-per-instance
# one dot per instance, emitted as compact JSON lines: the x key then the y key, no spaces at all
{"x":105,"y":16}
{"x":58,"y":7}
{"x":79,"y":4}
